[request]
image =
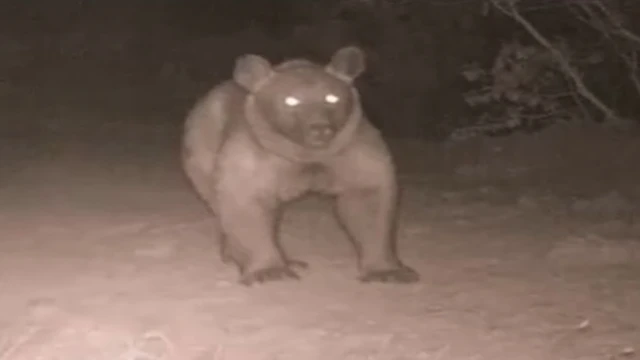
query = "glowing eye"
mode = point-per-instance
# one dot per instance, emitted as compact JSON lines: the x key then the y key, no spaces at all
{"x":331,"y":99}
{"x":291,"y":101}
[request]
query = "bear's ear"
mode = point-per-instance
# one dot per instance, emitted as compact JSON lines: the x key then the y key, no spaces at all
{"x":251,"y":70}
{"x":347,"y":63}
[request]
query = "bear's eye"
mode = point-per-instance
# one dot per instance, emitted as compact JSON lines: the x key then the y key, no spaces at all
{"x":331,"y":99}
{"x":291,"y":101}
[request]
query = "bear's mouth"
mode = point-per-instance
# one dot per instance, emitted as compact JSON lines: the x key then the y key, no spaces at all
{"x":318,"y":135}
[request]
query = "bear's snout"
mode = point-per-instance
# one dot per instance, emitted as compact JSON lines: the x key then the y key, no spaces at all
{"x":318,"y":134}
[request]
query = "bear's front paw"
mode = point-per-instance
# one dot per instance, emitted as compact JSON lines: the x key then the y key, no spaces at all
{"x":272,"y":273}
{"x":298,"y":264}
{"x":401,"y":275}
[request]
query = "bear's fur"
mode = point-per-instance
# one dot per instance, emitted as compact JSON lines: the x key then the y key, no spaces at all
{"x":274,"y":133}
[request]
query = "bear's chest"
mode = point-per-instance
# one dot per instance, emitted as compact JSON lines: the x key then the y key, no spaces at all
{"x":306,"y":178}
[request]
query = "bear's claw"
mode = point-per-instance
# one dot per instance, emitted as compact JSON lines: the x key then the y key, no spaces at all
{"x":402,"y":275}
{"x":298,"y":264}
{"x":274,"y":273}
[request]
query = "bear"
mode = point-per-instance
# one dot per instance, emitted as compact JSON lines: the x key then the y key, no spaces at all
{"x":273,"y":133}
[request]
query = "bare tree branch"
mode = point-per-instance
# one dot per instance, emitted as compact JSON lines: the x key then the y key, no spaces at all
{"x":614,"y":26}
{"x":564,"y":64}
{"x":616,"y":21}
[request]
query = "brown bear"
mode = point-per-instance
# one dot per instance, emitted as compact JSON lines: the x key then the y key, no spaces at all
{"x":275,"y":133}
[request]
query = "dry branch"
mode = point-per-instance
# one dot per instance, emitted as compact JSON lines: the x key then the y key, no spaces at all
{"x":615,"y":26}
{"x":511,"y":10}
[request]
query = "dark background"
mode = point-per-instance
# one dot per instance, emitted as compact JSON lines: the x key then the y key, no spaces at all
{"x":165,"y":53}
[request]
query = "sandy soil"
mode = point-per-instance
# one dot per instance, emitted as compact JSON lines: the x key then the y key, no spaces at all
{"x":528,"y":248}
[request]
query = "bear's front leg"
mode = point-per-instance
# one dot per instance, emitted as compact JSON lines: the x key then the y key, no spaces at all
{"x":367,"y":206}
{"x":247,"y":206}
{"x":248,"y":227}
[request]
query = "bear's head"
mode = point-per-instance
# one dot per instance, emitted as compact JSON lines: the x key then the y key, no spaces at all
{"x":305,"y":104}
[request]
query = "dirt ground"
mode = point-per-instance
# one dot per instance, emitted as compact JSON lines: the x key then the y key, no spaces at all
{"x":527,"y":246}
